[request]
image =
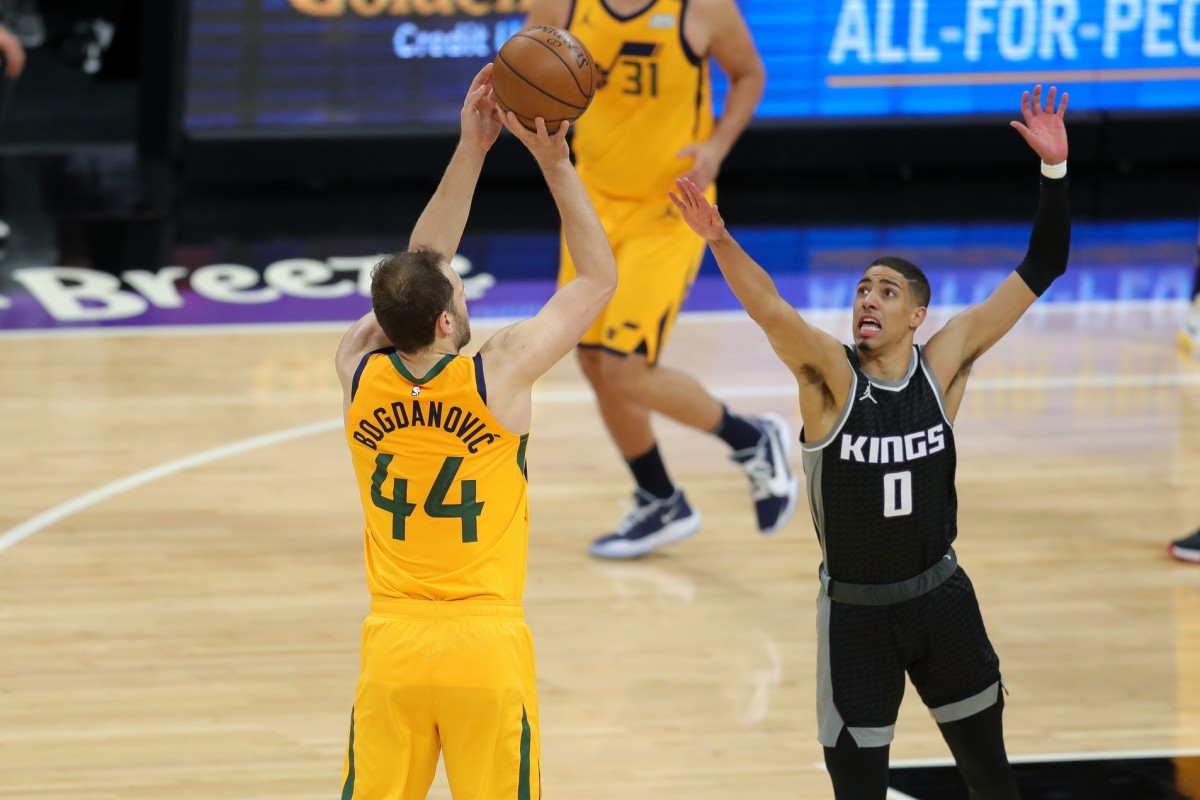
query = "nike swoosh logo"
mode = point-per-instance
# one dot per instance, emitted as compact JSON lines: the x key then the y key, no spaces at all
{"x":780,"y":481}
{"x":670,"y":515}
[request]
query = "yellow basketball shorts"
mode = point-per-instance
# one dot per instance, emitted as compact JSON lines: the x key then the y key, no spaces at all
{"x":658,"y":257}
{"x":454,"y":677}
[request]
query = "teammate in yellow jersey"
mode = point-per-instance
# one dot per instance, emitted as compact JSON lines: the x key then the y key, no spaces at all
{"x":438,"y":446}
{"x":651,"y":122}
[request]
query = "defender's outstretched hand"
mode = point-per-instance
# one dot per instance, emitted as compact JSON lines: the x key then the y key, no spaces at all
{"x":480,"y":116}
{"x":700,"y":215}
{"x":1044,"y":130}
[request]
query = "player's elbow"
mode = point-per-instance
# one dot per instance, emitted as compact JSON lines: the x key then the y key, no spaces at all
{"x":1041,"y":270}
{"x":610,"y":278}
{"x":598,"y":287}
{"x":758,"y":73}
{"x":607,"y":289}
{"x":604,"y":278}
{"x":750,"y":74}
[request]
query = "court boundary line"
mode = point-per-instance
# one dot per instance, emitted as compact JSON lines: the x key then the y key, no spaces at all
{"x":118,"y":487}
{"x":1046,"y":382}
{"x":80,"y":502}
{"x":1040,"y":758}
{"x":1049,"y":758}
{"x":102,"y":331}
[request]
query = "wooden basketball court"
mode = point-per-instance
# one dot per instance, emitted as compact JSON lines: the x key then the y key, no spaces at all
{"x":181,"y":578}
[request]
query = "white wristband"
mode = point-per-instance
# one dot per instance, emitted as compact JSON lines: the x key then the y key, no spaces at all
{"x":1058,"y":170}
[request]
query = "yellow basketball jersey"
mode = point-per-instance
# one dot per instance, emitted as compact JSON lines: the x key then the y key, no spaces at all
{"x":442,"y":483}
{"x":653,"y":98}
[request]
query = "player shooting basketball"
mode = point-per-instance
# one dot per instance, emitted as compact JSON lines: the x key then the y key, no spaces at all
{"x":879,"y":457}
{"x":438,"y":445}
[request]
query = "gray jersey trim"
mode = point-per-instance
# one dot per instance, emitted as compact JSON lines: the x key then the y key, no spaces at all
{"x":813,"y":462}
{"x":812,"y":457}
{"x":873,"y":737}
{"x":927,"y":368}
{"x":823,"y":442}
{"x":888,"y":594}
{"x":829,"y":719}
{"x":891,"y":386}
{"x":896,"y":386}
{"x":953,"y":712}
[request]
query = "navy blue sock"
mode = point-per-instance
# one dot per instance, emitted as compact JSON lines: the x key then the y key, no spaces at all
{"x":737,"y":432}
{"x":650,"y":473}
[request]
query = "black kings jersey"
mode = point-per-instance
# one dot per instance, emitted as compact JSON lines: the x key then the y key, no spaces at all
{"x":881,"y":484}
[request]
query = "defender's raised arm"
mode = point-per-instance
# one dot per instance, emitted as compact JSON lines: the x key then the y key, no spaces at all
{"x":970,"y":334}
{"x":816,"y":358}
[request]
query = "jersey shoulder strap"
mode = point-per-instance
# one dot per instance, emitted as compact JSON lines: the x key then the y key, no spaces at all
{"x":852,"y":357}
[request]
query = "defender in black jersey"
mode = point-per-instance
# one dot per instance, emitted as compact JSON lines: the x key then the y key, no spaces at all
{"x":879,"y":458}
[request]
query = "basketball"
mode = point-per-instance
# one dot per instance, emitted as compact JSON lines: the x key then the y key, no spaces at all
{"x":544,"y":72}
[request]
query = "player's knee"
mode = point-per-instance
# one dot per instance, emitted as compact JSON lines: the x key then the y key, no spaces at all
{"x":590,"y":363}
{"x":625,"y":376}
{"x":977,"y":743}
{"x":857,"y":772}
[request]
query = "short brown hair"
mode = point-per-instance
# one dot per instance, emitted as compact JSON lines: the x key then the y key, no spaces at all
{"x":409,"y":292}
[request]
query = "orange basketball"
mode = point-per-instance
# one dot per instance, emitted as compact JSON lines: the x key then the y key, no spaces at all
{"x":545,"y":72}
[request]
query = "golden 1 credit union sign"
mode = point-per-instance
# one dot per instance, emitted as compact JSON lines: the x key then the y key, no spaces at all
{"x":424,"y":8}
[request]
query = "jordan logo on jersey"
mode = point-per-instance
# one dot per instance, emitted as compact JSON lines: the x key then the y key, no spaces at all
{"x":893,"y":449}
{"x":868,"y":396}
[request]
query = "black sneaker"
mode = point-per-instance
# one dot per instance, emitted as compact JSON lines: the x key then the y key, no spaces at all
{"x":651,"y":523}
{"x":772,"y":485}
{"x":1187,"y":548}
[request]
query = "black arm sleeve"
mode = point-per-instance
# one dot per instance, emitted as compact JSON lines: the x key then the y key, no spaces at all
{"x":1050,"y":242}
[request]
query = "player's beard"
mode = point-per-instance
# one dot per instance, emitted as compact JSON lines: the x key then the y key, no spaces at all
{"x":462,"y":330}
